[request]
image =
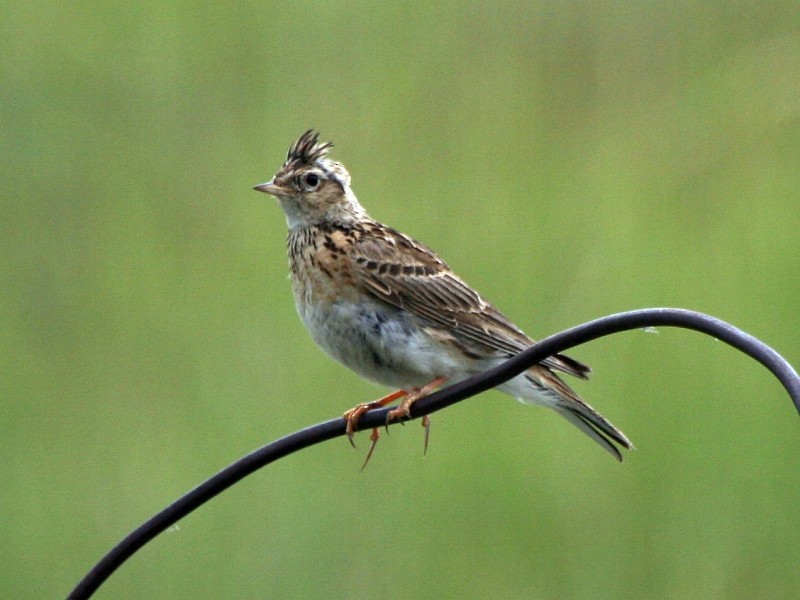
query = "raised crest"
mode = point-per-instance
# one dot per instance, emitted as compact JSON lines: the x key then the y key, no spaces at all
{"x":307,"y":149}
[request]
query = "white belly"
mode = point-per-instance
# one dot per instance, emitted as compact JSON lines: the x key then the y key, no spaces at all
{"x":379,"y":343}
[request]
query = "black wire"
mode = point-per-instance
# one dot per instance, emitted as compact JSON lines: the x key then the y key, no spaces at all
{"x":650,"y":317}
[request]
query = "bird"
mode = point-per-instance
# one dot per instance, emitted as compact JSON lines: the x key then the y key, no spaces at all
{"x":390,"y":309}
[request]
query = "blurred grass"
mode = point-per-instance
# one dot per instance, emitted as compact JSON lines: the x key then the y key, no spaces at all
{"x":568,"y":159}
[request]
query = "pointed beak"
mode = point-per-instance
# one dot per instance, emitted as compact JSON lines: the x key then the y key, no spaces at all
{"x":272,"y":188}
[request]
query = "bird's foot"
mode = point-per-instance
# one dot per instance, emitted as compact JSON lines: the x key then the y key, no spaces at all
{"x":404,"y":410}
{"x":401,"y":412}
{"x":354,"y":414}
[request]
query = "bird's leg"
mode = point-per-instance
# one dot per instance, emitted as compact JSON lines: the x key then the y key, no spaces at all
{"x":354,"y":414}
{"x":404,"y":409}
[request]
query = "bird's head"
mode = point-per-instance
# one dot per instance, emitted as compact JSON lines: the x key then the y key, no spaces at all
{"x":311,"y":188}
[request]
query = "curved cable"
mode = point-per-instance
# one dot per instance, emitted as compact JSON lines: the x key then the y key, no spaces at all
{"x":649,"y":317}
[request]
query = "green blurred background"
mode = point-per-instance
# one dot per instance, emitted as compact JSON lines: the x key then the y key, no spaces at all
{"x":568,"y":159}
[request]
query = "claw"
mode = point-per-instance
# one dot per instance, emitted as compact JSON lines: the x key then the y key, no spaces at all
{"x":426,"y":423}
{"x":350,"y":429}
{"x":403,"y":411}
{"x":354,"y":414}
{"x":374,"y":437}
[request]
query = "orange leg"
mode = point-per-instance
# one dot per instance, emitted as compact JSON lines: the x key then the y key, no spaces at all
{"x":352,"y":416}
{"x":402,"y":411}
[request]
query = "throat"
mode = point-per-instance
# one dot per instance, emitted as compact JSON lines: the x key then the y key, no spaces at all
{"x":319,"y":259}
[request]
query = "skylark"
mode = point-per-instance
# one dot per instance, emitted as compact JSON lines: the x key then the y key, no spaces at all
{"x":391,"y":310}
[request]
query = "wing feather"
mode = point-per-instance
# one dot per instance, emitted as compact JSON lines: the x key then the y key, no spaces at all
{"x":408,"y":275}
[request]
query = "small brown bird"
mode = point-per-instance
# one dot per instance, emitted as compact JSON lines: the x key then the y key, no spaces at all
{"x":391,"y":310}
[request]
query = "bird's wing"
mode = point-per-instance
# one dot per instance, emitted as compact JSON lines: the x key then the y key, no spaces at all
{"x":408,"y":275}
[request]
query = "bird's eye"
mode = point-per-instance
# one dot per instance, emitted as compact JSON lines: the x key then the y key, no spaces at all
{"x":310,"y":181}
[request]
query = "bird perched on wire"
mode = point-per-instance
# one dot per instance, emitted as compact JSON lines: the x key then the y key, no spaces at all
{"x":391,"y":310}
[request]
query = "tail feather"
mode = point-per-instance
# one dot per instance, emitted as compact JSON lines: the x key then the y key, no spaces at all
{"x":570,"y":406}
{"x":602,"y":435}
{"x":565,"y":364}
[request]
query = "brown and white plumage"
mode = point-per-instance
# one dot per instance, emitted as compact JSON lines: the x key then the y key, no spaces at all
{"x":390,"y":309}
